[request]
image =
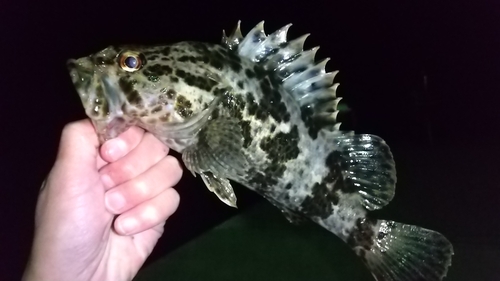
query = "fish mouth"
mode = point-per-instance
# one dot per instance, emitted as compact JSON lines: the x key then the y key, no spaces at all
{"x":83,"y":75}
{"x":101,"y":98}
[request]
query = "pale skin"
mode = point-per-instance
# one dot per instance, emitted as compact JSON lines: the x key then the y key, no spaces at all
{"x":102,"y":209}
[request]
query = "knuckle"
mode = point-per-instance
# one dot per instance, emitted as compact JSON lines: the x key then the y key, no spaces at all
{"x":150,"y":215}
{"x":126,"y":170}
{"x":142,"y":190}
{"x":72,"y":127}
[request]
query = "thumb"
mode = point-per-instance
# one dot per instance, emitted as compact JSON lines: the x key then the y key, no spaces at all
{"x":79,"y":145}
{"x":76,"y":165}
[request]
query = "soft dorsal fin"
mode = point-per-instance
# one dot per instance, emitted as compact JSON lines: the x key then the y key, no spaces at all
{"x":305,"y":79}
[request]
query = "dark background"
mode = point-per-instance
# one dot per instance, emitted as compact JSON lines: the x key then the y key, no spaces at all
{"x":384,"y":50}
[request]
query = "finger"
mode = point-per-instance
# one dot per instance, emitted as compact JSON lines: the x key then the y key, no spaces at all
{"x":114,"y":149}
{"x":149,"y":152}
{"x":148,"y":214}
{"x":78,"y":145}
{"x":147,"y":185}
{"x":77,"y":155}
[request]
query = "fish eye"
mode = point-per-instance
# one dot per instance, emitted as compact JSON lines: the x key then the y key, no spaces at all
{"x":131,"y":61}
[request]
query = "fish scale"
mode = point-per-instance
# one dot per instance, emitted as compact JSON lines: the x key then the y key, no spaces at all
{"x":259,"y":110}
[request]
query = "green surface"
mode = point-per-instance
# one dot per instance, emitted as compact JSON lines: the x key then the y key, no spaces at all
{"x":260,"y":244}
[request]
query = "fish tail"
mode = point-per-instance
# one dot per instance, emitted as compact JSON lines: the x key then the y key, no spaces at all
{"x":394,"y":251}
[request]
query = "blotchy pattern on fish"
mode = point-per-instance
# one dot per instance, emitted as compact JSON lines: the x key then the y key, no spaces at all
{"x":260,"y":111}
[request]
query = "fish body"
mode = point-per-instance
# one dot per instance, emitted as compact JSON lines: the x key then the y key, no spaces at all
{"x":258,"y":110}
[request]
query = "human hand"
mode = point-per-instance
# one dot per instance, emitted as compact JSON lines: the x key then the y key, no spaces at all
{"x":77,"y":236}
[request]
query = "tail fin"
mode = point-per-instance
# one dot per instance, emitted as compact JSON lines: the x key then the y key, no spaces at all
{"x":396,"y":252}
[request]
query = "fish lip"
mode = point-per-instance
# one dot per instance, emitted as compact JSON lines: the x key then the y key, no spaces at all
{"x":79,"y":64}
{"x":73,"y":71}
{"x":82,"y":66}
{"x":81,"y":72}
{"x":71,"y":64}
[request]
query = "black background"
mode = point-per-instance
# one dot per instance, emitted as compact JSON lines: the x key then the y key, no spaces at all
{"x":383,"y":49}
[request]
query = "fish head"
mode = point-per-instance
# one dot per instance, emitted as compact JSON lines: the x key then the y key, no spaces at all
{"x":166,"y":90}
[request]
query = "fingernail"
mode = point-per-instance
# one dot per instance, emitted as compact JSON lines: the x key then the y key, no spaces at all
{"x":128,"y":225}
{"x":116,"y":149}
{"x":114,"y":201}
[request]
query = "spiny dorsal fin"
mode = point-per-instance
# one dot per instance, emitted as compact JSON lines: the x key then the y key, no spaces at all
{"x":307,"y":81}
{"x":234,"y":39}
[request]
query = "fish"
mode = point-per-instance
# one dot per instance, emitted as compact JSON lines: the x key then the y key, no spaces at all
{"x":260,"y":111}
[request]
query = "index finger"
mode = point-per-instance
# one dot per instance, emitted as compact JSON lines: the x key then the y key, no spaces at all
{"x":120,"y":146}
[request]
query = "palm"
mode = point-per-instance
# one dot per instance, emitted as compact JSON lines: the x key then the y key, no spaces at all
{"x":79,"y":231}
{"x":105,"y":244}
{"x":135,"y":248}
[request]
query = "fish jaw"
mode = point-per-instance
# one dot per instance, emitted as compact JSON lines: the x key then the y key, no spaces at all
{"x":100,"y":96}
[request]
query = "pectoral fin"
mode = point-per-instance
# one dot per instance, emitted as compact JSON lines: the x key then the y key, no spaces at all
{"x":217,"y":156}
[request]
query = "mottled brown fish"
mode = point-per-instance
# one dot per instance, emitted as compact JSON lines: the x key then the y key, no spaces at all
{"x":258,"y":110}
